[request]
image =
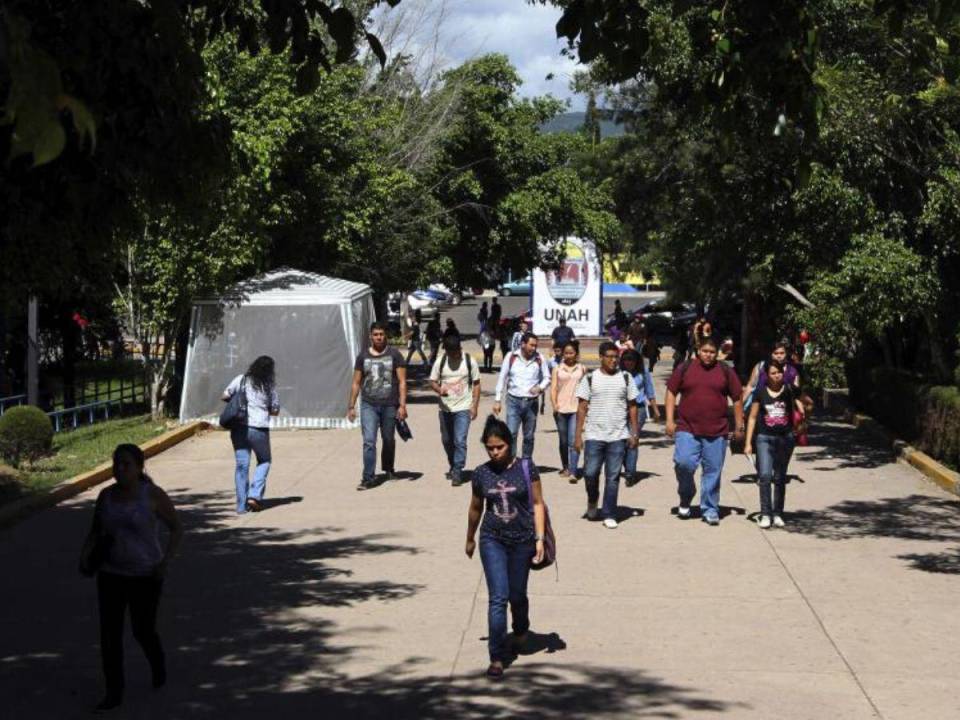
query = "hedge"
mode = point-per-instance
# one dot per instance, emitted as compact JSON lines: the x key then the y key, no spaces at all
{"x":925,"y":415}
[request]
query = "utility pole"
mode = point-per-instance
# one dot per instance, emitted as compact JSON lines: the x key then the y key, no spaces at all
{"x":33,"y":355}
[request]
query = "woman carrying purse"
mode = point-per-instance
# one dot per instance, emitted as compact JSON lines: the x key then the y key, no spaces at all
{"x":511,"y":537}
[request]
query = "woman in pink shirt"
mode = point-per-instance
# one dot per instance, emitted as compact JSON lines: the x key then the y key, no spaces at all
{"x":563,"y":388}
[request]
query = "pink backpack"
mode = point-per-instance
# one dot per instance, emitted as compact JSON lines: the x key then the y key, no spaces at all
{"x":549,"y":539}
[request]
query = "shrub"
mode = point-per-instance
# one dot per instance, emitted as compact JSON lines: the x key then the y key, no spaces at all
{"x":928,"y":416}
{"x":25,"y":434}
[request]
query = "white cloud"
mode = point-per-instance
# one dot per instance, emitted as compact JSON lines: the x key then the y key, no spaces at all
{"x":525,"y":33}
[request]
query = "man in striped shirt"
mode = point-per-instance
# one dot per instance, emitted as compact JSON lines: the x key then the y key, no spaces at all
{"x":606,"y":405}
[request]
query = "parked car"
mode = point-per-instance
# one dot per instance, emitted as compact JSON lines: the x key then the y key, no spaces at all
{"x":523,"y":286}
{"x":425,"y":303}
{"x":660,"y":317}
{"x":451,"y":296}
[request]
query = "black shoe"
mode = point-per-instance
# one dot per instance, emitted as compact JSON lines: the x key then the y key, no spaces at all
{"x":457,"y":481}
{"x":366,"y":485}
{"x":448,"y":475}
{"x":109,"y":702}
{"x":389,"y":475}
{"x":631,"y":479}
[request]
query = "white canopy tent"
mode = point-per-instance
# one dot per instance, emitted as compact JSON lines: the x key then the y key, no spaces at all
{"x":313,"y":326}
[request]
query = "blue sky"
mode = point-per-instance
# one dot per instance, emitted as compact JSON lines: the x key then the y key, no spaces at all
{"x":525,"y":33}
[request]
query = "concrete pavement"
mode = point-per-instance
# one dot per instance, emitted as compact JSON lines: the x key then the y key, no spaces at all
{"x":341,"y":604}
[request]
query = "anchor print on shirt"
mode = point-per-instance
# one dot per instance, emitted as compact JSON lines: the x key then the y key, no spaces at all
{"x":503,"y":511}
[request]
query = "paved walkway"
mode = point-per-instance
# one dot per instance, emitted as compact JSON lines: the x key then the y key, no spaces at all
{"x":339,"y":604}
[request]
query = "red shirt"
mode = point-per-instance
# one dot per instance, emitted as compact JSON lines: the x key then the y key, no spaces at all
{"x":704,"y":391}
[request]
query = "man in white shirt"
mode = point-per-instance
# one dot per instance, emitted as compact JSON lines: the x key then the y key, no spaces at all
{"x":456,"y":379}
{"x":606,"y":403}
{"x":523,"y":377}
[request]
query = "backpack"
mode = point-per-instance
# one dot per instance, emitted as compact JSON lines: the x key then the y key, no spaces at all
{"x":626,"y":379}
{"x":513,"y":358}
{"x":549,"y":539}
{"x":443,"y":363}
{"x":726,"y":373}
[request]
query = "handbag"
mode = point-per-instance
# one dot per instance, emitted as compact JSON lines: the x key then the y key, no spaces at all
{"x":96,"y":556}
{"x":235,"y":413}
{"x":549,"y":539}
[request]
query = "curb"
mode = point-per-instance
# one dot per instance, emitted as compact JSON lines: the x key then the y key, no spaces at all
{"x":19,"y":509}
{"x":938,"y":473}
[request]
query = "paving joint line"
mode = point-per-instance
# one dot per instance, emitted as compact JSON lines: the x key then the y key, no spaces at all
{"x":816,"y":616}
{"x":466,"y":628}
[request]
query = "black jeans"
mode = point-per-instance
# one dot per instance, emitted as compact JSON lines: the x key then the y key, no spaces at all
{"x":142,"y":595}
{"x":488,"y":357}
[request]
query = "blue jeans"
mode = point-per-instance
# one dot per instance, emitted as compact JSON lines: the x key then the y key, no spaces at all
{"x":244,"y":440}
{"x":692,"y":451}
{"x":567,"y":432}
{"x":374,"y":418}
{"x":610,"y":455}
{"x":454,"y":427}
{"x":522,"y":410}
{"x":773,"y":456}
{"x":631,"y":455}
{"x":506,"y":567}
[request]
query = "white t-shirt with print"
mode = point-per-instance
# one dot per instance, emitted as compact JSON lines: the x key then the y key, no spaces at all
{"x":456,"y":382}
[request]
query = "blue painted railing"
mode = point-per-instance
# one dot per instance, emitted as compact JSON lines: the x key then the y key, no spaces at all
{"x":12,"y":401}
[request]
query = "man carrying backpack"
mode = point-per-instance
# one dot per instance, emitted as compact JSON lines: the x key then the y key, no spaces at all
{"x":456,"y":379}
{"x":705,"y":386}
{"x":523,"y":377}
{"x":606,"y":403}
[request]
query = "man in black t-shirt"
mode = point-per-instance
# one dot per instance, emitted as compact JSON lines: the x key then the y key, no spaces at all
{"x":562,"y":334}
{"x":380,"y":381}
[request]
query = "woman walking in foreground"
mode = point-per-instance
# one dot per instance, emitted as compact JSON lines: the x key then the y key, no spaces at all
{"x":511,"y":537}
{"x":123,"y":550}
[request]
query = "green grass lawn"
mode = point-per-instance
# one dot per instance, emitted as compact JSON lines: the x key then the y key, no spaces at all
{"x":76,"y":451}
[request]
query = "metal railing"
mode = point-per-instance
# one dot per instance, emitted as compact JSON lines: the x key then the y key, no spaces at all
{"x":12,"y":401}
{"x":89,"y":410}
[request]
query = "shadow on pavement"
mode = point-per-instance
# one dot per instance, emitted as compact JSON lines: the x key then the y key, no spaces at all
{"x":845,"y":447}
{"x":914,"y":517}
{"x":238,"y":615}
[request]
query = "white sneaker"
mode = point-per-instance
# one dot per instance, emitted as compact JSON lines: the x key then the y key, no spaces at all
{"x":764,"y":522}
{"x":610,"y":524}
{"x":683,"y":512}
{"x":778,"y":521}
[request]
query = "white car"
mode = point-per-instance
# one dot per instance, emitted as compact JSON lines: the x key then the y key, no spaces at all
{"x":428,"y":306}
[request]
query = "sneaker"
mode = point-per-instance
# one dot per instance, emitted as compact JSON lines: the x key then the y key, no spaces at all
{"x":592,"y":512}
{"x":711,"y":520}
{"x":389,"y":475}
{"x":564,"y":473}
{"x":683,"y":512}
{"x":764,"y":522}
{"x":365,"y":485}
{"x":448,"y":475}
{"x":456,"y":480}
{"x":574,"y":478}
{"x":778,"y":521}
{"x":630,"y":479}
{"x":610,"y":524}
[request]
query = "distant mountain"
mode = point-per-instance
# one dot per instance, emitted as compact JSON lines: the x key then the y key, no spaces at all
{"x":572,"y":122}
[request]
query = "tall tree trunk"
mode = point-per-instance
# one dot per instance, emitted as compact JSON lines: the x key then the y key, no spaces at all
{"x":69,"y":337}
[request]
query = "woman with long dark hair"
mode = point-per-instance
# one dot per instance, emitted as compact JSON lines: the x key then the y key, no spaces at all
{"x":260,"y":388}
{"x":123,"y":550}
{"x":511,"y":537}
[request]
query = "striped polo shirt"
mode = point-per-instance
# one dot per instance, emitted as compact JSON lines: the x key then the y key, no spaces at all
{"x":609,"y":397}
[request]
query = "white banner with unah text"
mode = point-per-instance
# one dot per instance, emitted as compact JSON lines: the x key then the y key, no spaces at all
{"x":574,"y":292}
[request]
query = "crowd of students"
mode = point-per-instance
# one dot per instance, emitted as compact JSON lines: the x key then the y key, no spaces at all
{"x":599,"y":414}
